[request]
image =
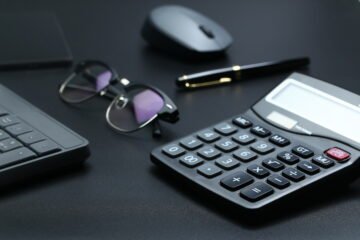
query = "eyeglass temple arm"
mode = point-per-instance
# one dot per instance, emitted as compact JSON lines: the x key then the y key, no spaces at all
{"x":156,"y":129}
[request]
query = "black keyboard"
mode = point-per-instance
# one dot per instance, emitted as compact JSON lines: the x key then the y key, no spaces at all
{"x":31,"y":141}
{"x":250,"y":162}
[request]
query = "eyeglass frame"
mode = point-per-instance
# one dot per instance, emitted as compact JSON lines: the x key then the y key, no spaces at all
{"x":169,"y":112}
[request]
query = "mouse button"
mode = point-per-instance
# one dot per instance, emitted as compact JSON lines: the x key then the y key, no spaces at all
{"x":207,"y":31}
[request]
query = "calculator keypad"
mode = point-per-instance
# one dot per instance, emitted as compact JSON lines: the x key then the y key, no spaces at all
{"x":250,"y":159}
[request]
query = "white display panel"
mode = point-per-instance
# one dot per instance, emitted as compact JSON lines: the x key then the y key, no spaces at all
{"x":318,"y":107}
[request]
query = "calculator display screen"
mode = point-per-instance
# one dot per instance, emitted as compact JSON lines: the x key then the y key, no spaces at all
{"x":318,"y":107}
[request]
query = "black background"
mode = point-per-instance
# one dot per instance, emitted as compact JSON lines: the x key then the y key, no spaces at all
{"x":119,"y":194}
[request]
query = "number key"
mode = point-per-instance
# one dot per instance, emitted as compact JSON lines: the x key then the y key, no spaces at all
{"x":244,"y":155}
{"x":262,"y":147}
{"x":173,"y":150}
{"x":227,"y":162}
{"x":209,"y":153}
{"x":225,"y":129}
{"x":191,"y":160}
{"x":191,"y":143}
{"x":243,"y":138}
{"x":208,"y":136}
{"x":226,"y":145}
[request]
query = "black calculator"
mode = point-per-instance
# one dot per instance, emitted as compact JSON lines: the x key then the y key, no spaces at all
{"x":31,"y":142}
{"x":302,"y":134}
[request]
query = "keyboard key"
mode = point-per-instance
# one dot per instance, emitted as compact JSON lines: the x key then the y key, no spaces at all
{"x":3,"y":135}
{"x":302,"y":151}
{"x":18,"y":129}
{"x":191,"y":143}
{"x":227,"y":162}
{"x":323,"y":161}
{"x":278,"y":181}
{"x":208,"y":136}
{"x":236,"y":181}
{"x":262,"y":147}
{"x":31,"y":137}
{"x":242,"y":122}
{"x":9,"y":144}
{"x":209,"y":153}
{"x":293,"y":174}
{"x":15,"y":156}
{"x":337,"y":154}
{"x":225,"y":129}
{"x":258,"y":171}
{"x":208,"y":170}
{"x":256,"y":191}
{"x":191,"y":160}
{"x":288,"y":157}
{"x":244,"y":155}
{"x":226,"y":145}
{"x":273,"y":164}
{"x":45,"y":147}
{"x":279,"y":140}
{"x":3,"y":112}
{"x":308,"y":167}
{"x":8,"y":120}
{"x":260,"y":131}
{"x":243,"y":138}
{"x":173,"y":150}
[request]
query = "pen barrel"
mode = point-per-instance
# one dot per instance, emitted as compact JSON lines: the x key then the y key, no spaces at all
{"x":207,"y":78}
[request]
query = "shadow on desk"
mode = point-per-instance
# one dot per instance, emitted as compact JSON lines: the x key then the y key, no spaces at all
{"x":42,"y":180}
{"x":281,"y":212}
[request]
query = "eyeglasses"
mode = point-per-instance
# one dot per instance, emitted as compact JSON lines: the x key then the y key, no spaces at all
{"x":133,"y":105}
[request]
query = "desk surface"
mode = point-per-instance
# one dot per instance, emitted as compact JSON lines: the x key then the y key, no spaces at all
{"x":119,"y":194}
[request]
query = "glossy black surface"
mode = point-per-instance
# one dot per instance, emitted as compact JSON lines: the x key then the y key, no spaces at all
{"x":119,"y":194}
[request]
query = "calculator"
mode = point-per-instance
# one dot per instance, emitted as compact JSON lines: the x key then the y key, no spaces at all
{"x":303,"y":135}
{"x":32,"y":143}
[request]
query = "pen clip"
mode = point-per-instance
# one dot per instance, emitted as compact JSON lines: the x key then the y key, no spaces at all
{"x":209,"y":83}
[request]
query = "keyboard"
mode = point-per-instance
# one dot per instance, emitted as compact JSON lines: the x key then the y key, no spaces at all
{"x":32,"y":142}
{"x":253,"y":163}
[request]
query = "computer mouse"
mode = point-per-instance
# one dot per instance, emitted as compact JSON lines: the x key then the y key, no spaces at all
{"x":183,"y":31}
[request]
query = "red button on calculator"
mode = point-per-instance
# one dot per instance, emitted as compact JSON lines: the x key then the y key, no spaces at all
{"x":337,"y":154}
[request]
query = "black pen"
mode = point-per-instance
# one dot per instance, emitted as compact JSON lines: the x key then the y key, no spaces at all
{"x":236,"y":73}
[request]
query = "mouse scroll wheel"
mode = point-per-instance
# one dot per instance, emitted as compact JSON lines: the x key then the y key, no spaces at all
{"x":207,"y":31}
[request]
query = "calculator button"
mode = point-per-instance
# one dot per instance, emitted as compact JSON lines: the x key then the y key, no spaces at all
{"x":258,"y":171}
{"x":256,"y":191}
{"x":302,"y":151}
{"x":242,"y":122}
{"x":15,"y":156}
{"x":244,"y":155}
{"x":260,"y":131}
{"x":3,"y":135}
{"x":31,"y":137}
{"x":236,"y":181}
{"x":18,"y":129}
{"x":273,"y":164}
{"x":191,"y":160}
{"x":208,"y":170}
{"x":243,"y":138}
{"x":225,"y":129}
{"x":323,"y":161}
{"x":308,"y":167}
{"x":9,"y":144}
{"x":278,"y":181}
{"x":45,"y":147}
{"x":8,"y":120}
{"x":226,"y":145}
{"x":173,"y":150}
{"x":209,"y":153}
{"x":208,"y":136}
{"x":190,"y":143}
{"x":288,"y":157}
{"x":293,"y":174}
{"x":337,"y":154}
{"x":262,"y":147}
{"x":279,"y":140}
{"x":227,"y":162}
